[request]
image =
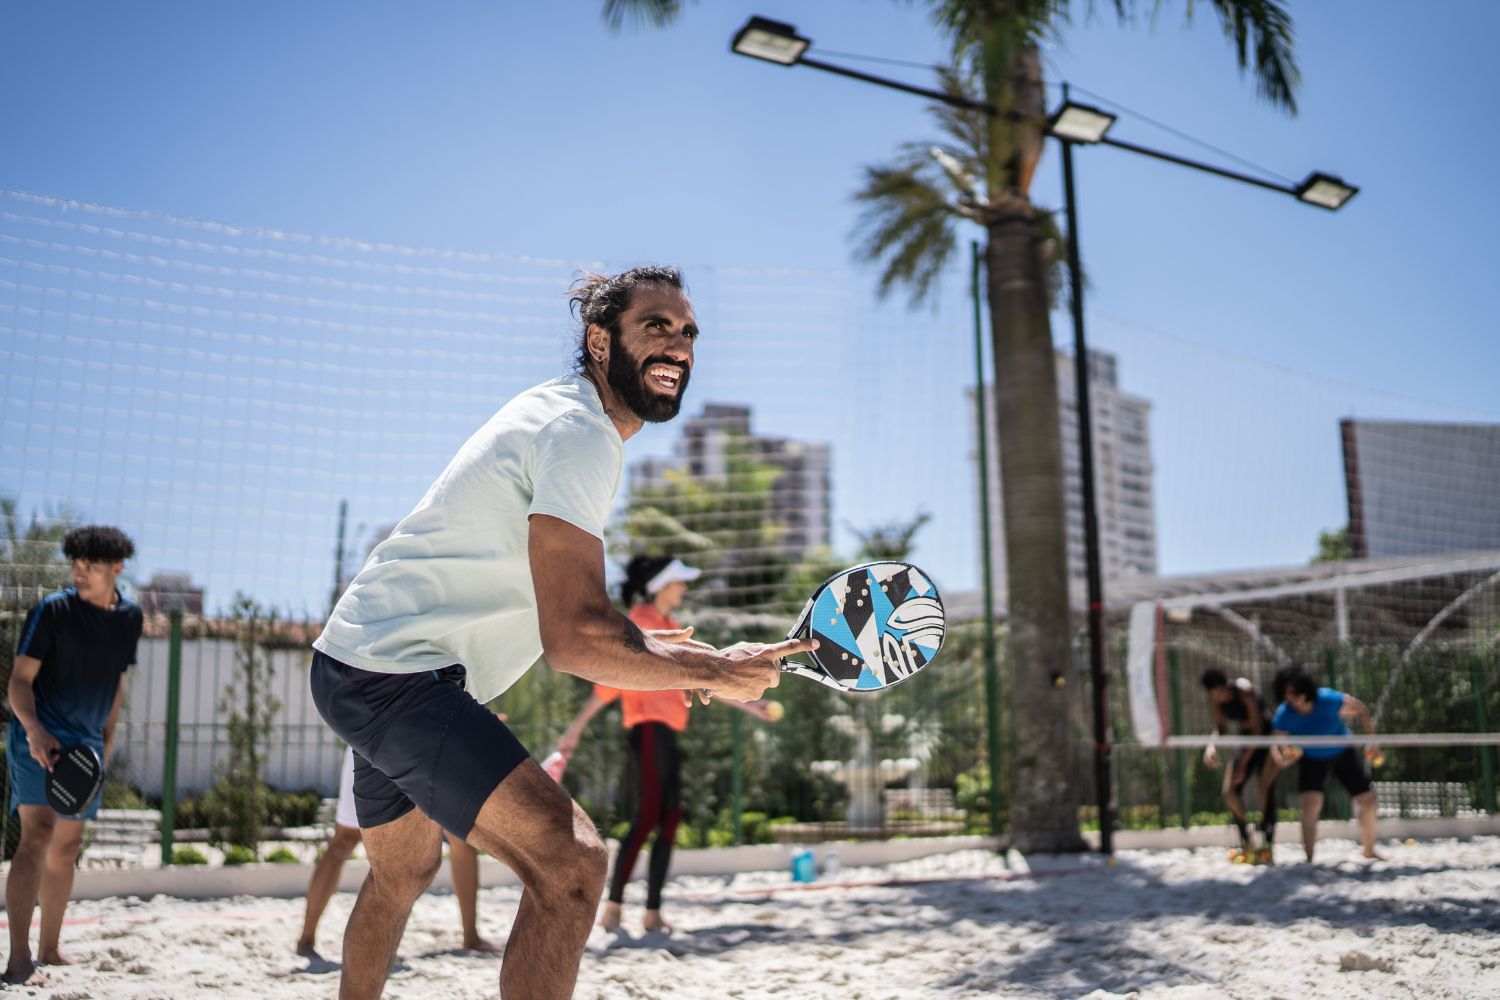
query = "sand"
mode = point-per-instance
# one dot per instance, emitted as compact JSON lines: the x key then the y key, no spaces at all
{"x":1183,"y":924}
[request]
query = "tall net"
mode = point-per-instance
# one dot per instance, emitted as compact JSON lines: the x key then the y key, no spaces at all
{"x":257,"y":408}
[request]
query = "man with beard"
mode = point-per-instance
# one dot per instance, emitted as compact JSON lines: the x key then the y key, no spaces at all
{"x":500,"y":563}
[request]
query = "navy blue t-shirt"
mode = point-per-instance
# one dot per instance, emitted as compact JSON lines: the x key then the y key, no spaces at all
{"x":84,"y":650}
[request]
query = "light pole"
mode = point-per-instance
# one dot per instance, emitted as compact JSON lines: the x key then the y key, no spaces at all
{"x":1080,"y":124}
{"x":1072,"y":124}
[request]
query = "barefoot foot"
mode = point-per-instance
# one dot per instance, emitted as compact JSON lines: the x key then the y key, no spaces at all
{"x":654,"y":924}
{"x":610,"y":918}
{"x":53,"y":957}
{"x":25,"y":973}
{"x":475,"y":942}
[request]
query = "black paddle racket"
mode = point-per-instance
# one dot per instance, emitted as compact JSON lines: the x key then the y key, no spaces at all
{"x":876,"y":624}
{"x":74,"y":780}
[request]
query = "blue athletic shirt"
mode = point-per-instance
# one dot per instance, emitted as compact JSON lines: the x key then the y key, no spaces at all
{"x":84,"y":650}
{"x":1323,"y":720}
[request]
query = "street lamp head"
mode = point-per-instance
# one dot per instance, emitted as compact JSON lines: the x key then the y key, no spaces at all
{"x":1325,"y":191}
{"x":773,"y":41}
{"x":1079,"y":123}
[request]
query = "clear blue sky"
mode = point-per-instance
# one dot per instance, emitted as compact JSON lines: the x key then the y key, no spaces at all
{"x":530,"y":129}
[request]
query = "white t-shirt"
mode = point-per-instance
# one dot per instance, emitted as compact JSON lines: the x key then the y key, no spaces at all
{"x":452,"y":583}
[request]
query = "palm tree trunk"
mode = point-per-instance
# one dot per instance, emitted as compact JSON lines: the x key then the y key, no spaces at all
{"x":1044,"y":805}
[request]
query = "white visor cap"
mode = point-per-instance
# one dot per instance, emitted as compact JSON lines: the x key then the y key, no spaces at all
{"x":671,"y":573}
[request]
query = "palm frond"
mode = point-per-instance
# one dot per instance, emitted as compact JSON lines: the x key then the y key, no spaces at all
{"x":1259,"y":30}
{"x":655,"y":13}
{"x":1267,"y":24}
{"x":906,"y":226}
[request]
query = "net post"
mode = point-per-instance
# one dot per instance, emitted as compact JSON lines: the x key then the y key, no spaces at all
{"x":1174,"y":668}
{"x":1482,"y":721}
{"x":736,"y":774}
{"x":169,"y":752}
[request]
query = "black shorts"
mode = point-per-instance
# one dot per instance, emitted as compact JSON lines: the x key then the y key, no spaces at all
{"x":1255,"y":759}
{"x":1312,"y":772}
{"x":419,"y":740}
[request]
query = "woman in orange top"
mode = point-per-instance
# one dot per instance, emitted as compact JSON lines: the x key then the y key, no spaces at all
{"x":654,"y":587}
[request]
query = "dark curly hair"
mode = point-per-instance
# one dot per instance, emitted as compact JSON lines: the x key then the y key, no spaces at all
{"x":98,"y":543}
{"x":639,"y":572}
{"x":599,"y":299}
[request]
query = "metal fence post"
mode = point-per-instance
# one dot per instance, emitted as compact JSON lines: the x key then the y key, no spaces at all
{"x":1184,"y":805}
{"x":169,"y":754}
{"x":736,"y":777}
{"x":1482,"y":722}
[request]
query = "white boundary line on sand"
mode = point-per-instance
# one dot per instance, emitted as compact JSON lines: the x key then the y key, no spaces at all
{"x":290,"y":881}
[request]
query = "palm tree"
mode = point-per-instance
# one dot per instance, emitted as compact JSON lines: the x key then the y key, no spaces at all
{"x":908,"y":228}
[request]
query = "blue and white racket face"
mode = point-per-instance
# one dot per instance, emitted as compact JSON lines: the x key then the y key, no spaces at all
{"x":876,"y":625}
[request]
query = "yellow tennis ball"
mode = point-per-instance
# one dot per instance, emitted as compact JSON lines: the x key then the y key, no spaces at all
{"x":774,"y":711}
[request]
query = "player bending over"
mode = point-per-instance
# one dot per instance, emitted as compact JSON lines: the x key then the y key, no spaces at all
{"x":500,"y":563}
{"x":1310,"y":710}
{"x":1240,"y":702}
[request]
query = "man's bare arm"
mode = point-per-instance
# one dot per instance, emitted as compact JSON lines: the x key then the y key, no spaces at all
{"x":114,"y":717}
{"x":1356,"y":709}
{"x":22,"y":697}
{"x":582,"y":633}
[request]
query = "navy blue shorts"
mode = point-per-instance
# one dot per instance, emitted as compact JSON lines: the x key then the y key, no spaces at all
{"x":420,"y":741}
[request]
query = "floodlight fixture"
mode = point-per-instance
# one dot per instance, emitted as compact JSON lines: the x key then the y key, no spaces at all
{"x":1075,"y":122}
{"x":773,"y":41}
{"x":1325,"y":191}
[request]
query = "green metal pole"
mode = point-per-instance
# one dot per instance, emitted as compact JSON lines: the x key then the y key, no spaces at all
{"x":991,"y":665}
{"x":1338,"y":799}
{"x":1184,"y":806}
{"x":736,"y":778}
{"x":169,"y":760}
{"x":1482,"y":720}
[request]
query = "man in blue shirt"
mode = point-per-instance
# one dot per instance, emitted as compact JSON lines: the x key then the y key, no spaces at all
{"x":1313,"y":711}
{"x":66,"y":688}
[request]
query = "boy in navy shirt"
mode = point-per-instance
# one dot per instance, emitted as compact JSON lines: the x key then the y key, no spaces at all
{"x":1313,"y":711}
{"x":66,"y":688}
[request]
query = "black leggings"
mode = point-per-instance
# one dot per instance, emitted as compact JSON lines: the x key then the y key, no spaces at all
{"x":656,"y":772}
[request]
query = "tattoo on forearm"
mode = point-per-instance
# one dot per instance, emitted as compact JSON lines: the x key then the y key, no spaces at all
{"x":635,"y":639}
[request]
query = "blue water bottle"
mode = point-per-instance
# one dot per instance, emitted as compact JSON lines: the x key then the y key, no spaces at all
{"x":804,"y":865}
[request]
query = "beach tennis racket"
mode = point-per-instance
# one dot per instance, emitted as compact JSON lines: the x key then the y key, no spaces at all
{"x":877,"y":624}
{"x":74,"y":779}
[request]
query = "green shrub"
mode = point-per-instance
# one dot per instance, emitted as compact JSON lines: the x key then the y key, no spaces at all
{"x":282,"y":856}
{"x":188,"y":856}
{"x":119,"y":795}
{"x":238,"y":854}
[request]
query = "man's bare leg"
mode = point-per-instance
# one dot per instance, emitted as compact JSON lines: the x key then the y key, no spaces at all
{"x":463,"y":862}
{"x":1311,"y":804}
{"x":324,"y":883}
{"x":404,"y":856}
{"x":532,"y":825}
{"x":57,"y":888}
{"x":1365,"y":809}
{"x":21,"y":889}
